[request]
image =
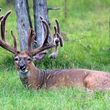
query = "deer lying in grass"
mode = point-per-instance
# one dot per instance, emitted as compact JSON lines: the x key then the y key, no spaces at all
{"x":34,"y":78}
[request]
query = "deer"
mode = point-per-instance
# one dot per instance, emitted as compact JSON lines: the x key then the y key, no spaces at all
{"x":35,"y":79}
{"x":56,"y":38}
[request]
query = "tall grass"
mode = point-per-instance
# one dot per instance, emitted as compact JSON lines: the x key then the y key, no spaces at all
{"x":87,"y":28}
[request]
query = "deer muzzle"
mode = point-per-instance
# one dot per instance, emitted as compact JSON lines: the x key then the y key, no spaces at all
{"x":22,"y":65}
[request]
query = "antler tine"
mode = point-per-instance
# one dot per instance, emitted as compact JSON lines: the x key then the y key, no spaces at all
{"x":31,"y":34}
{"x":58,"y":27}
{"x":55,"y":29}
{"x":43,"y":25}
{"x":1,"y":17}
{"x":47,"y":32}
{"x":29,"y":39}
{"x":14,"y":39}
{"x":58,"y":33}
{"x":41,"y":18}
{"x":54,"y":54}
{"x":40,"y":49}
{"x":58,"y":36}
{"x":3,"y":22}
{"x":45,"y":44}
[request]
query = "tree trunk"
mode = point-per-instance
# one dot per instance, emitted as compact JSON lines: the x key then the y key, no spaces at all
{"x":22,"y":22}
{"x":40,"y":9}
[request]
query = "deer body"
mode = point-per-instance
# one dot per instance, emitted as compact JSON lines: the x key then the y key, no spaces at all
{"x":52,"y":79}
{"x":34,"y":78}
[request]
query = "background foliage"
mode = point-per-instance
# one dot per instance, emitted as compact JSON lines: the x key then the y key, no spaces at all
{"x":87,"y":45}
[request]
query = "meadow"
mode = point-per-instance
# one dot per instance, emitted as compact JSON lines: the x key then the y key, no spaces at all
{"x":88,"y":46}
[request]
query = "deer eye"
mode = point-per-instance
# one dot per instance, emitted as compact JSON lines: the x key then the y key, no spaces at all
{"x":16,"y":59}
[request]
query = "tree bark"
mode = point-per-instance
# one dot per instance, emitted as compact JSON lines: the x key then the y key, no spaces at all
{"x":22,"y":22}
{"x":40,"y":9}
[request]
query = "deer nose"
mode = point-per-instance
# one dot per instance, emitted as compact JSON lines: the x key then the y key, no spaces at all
{"x":22,"y":64}
{"x":22,"y":67}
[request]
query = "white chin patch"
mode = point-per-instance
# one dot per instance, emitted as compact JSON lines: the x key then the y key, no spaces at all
{"x":23,"y":71}
{"x":23,"y":74}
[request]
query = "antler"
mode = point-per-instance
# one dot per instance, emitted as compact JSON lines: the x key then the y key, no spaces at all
{"x":57,"y":40}
{"x":58,"y":33}
{"x":45,"y":44}
{"x":1,"y":18}
{"x":39,"y":52}
{"x":3,"y":42}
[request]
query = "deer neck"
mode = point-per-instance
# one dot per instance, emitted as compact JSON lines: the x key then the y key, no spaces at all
{"x":33,"y":78}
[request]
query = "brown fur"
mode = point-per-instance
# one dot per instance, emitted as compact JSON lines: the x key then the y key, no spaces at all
{"x":52,"y":79}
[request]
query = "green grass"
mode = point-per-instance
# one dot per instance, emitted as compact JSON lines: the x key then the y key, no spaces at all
{"x":14,"y":97}
{"x":87,"y":28}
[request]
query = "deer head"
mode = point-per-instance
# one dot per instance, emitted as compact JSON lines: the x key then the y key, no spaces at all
{"x":23,"y":58}
{"x":57,"y":40}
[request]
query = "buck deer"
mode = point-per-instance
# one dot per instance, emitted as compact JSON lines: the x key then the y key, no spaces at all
{"x":34,"y":78}
{"x":55,"y":38}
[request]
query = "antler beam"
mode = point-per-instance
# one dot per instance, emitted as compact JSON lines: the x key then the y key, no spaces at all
{"x":45,"y":44}
{"x":3,"y":42}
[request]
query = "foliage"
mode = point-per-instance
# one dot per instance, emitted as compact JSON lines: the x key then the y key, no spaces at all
{"x":88,"y":46}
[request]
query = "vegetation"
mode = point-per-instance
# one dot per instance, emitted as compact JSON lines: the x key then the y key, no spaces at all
{"x":88,"y":46}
